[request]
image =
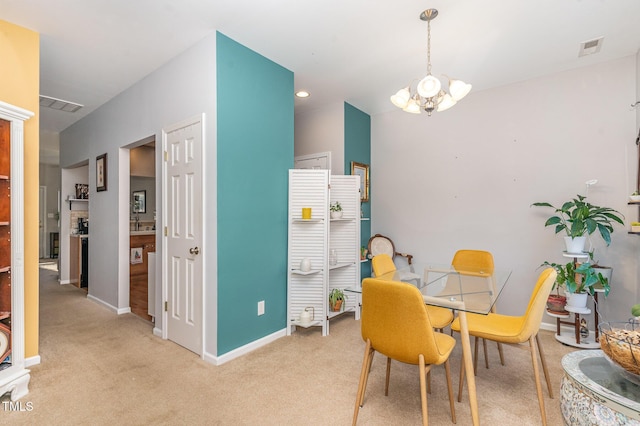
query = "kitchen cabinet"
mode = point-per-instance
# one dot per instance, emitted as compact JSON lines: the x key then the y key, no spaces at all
{"x":14,"y":377}
{"x":330,"y":245}
{"x":139,"y":273}
{"x":78,"y":260}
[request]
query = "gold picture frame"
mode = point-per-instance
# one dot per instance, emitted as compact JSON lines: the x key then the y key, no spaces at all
{"x":362,"y":170}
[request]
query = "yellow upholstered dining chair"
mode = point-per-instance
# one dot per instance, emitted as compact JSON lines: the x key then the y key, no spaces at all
{"x":396,"y":324}
{"x":480,"y":261}
{"x":515,"y":330}
{"x":383,"y":264}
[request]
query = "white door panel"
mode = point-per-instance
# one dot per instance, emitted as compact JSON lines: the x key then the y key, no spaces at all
{"x":184,"y":235}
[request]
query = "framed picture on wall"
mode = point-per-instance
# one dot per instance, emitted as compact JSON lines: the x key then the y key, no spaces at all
{"x":101,"y":172}
{"x":362,"y":170}
{"x":140,"y":201}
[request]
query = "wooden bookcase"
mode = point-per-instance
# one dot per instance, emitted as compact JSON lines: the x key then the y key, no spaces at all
{"x":14,"y":377}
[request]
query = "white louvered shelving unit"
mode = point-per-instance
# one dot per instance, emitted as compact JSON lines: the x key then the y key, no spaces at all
{"x":314,"y":238}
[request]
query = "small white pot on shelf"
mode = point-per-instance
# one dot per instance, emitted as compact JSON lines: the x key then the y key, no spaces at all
{"x":336,"y":215}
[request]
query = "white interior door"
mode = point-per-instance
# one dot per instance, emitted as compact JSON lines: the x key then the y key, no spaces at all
{"x":183,"y":148}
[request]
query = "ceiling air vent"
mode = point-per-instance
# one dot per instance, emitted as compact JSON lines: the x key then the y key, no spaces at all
{"x":59,"y":104}
{"x":590,"y":47}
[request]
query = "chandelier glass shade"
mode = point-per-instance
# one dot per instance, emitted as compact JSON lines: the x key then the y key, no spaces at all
{"x":429,"y":94}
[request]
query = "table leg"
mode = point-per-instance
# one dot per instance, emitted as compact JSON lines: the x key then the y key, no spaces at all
{"x":468,"y":367}
{"x":577,"y":325}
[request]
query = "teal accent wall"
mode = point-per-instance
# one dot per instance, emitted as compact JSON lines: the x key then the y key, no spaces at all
{"x":255,"y":151}
{"x":357,"y":147}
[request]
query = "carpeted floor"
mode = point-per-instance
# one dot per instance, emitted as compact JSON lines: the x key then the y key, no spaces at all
{"x":99,"y":368}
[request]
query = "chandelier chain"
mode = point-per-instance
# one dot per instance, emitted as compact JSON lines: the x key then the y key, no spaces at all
{"x":429,"y":47}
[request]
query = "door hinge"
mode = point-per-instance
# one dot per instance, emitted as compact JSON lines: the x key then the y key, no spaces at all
{"x":166,"y":306}
{"x":166,"y":156}
{"x":166,"y":231}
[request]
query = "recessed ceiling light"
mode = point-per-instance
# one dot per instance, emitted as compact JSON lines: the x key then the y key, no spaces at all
{"x":302,"y":94}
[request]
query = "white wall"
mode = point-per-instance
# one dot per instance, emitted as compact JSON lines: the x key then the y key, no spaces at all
{"x":322,"y":130}
{"x":182,"y":88}
{"x":466,"y":178}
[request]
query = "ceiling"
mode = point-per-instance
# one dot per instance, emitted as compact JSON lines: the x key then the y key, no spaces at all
{"x":358,"y":51}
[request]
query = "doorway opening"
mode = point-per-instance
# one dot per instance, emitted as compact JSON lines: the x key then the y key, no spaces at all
{"x":142,"y":228}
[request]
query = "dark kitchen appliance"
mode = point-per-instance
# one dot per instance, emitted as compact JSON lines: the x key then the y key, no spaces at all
{"x":83,"y":226}
{"x":84,"y":272}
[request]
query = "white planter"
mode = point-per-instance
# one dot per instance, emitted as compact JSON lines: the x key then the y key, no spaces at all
{"x":577,"y":300}
{"x":336,"y":215}
{"x":575,"y":245}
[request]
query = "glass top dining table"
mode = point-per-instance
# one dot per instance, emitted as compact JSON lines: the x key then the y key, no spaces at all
{"x":462,"y":288}
{"x":443,"y":285}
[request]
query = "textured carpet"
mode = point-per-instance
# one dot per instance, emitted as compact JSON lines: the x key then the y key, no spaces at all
{"x":100,"y":368}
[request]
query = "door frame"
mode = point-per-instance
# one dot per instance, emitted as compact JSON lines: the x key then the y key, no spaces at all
{"x":200,"y":118}
{"x":42,"y":231}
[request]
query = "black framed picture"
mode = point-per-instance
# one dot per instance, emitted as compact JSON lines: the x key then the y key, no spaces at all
{"x":101,"y":172}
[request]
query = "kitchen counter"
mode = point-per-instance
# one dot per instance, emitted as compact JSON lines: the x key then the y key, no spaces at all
{"x":145,"y":232}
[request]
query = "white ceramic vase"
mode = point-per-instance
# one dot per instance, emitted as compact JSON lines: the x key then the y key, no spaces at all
{"x":305,"y":264}
{"x":336,"y":215}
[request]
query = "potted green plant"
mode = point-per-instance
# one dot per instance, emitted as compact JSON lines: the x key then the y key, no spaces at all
{"x":578,"y":218}
{"x":336,"y":210}
{"x":336,"y":299}
{"x":578,"y":281}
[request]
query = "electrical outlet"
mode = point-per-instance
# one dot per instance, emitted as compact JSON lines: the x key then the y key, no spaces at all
{"x":261,"y":307}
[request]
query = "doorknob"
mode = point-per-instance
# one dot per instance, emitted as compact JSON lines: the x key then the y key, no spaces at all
{"x":194,"y":250}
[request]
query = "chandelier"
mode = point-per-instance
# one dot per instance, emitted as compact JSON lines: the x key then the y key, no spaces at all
{"x":430,"y":95}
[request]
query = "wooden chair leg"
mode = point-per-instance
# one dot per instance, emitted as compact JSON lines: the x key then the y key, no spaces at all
{"x":447,"y":370}
{"x":486,"y":357}
{"x":500,"y":353}
{"x":423,"y":390}
{"x":536,"y":374}
{"x":544,"y":367}
{"x":386,"y":383}
{"x":461,"y":379}
{"x":362,"y":384}
{"x":475,"y":356}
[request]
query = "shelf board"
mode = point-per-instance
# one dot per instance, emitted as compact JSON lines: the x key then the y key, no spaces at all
{"x":300,"y":220}
{"x":340,"y":265}
{"x":4,"y":177}
{"x":5,"y":223}
{"x":76,"y":200}
{"x":582,"y":255}
{"x":300,"y":272}
{"x":5,"y":269}
{"x":343,"y":219}
{"x":297,"y":323}
{"x":364,"y":218}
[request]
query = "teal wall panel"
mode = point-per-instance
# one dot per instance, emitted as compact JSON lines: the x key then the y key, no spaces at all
{"x":255,"y":136}
{"x":357,"y":147}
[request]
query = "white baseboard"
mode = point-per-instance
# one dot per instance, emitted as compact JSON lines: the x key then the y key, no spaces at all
{"x":109,"y":306}
{"x":32,"y":360}
{"x":157,"y":332}
{"x":243,"y":350}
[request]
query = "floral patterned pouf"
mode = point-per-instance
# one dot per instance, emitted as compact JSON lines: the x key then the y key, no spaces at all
{"x":595,"y":392}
